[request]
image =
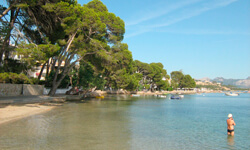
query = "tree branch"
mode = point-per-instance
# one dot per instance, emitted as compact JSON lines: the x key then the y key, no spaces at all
{"x":6,"y":11}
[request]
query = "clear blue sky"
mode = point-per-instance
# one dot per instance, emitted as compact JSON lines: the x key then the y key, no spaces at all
{"x":203,"y":38}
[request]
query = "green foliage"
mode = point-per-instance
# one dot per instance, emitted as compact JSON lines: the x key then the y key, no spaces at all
{"x":97,"y":6}
{"x":64,"y":84}
{"x":4,"y":77}
{"x":14,"y":78}
{"x":114,"y":25}
{"x":89,"y":31}
{"x":36,"y":54}
{"x":170,"y":89}
{"x":147,"y":86}
{"x":152,"y":75}
{"x":187,"y":82}
{"x":179,"y":80}
{"x":176,"y":77}
{"x":15,"y":66}
{"x":123,"y":80}
{"x":133,"y":81}
{"x":88,"y":78}
{"x":157,"y":75}
{"x":116,"y":66}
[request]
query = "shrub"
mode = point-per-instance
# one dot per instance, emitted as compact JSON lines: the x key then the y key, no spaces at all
{"x":14,"y":78}
{"x":4,"y":77}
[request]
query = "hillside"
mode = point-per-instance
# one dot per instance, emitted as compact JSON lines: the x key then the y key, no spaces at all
{"x":240,"y":83}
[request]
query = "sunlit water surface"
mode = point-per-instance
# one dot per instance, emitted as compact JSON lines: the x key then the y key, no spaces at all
{"x":134,"y":123}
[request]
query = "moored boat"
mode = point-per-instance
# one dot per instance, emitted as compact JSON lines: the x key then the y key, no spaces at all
{"x":232,"y":94}
{"x":135,"y":95}
{"x":100,"y":97}
{"x":181,"y":96}
{"x":175,"y":97}
{"x":161,"y":96}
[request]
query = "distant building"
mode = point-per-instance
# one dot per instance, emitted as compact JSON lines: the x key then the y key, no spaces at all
{"x":203,"y":82}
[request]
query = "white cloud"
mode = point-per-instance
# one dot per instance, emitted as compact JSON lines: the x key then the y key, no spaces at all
{"x":205,"y":32}
{"x":196,"y":12}
{"x":162,"y":11}
{"x":138,"y":32}
{"x":182,"y":14}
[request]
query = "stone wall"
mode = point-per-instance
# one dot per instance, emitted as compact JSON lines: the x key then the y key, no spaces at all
{"x":29,"y":89}
{"x":20,"y":89}
{"x":10,"y":89}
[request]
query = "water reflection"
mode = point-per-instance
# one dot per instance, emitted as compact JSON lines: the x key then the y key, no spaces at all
{"x":230,"y":140}
{"x":92,"y":125}
{"x":129,"y":123}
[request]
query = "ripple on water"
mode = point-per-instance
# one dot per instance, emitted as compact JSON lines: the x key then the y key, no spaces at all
{"x":138,"y":124}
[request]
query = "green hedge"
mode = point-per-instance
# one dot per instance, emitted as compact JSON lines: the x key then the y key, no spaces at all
{"x":14,"y":78}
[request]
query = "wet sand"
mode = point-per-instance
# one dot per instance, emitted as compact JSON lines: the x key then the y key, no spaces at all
{"x":14,"y":112}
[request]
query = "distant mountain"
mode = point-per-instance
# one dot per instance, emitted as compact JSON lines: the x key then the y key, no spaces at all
{"x":241,"y":83}
{"x":205,"y":79}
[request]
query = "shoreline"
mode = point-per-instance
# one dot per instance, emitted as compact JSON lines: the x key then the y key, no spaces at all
{"x":12,"y":109}
{"x":15,"y":112}
{"x":156,"y":92}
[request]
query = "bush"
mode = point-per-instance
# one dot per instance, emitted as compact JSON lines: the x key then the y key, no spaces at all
{"x":170,"y":89}
{"x":14,"y":78}
{"x":4,"y":77}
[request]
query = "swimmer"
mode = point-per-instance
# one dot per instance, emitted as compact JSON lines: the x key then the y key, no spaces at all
{"x":230,"y":125}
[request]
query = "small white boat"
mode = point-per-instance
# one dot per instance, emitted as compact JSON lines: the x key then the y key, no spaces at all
{"x":232,"y":94}
{"x":162,"y":96}
{"x":135,"y":95}
{"x":181,"y":96}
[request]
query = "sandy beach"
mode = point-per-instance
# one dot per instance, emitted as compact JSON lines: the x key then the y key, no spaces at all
{"x":18,"y":107}
{"x":14,"y":112}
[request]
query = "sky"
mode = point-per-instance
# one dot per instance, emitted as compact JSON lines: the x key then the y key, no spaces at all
{"x":202,"y":38}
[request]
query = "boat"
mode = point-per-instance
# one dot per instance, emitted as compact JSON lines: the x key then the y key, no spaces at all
{"x":181,"y":96}
{"x":232,"y":94}
{"x":175,"y":97}
{"x":101,"y":97}
{"x":162,"y":96}
{"x":135,"y":95}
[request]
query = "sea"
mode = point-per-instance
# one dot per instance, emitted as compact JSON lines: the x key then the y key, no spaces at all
{"x":122,"y":122}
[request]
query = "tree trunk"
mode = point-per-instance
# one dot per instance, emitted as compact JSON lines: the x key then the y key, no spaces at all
{"x":41,"y":72}
{"x":52,"y":91}
{"x":67,"y":66}
{"x":55,"y":84}
{"x":65,"y":72}
{"x":1,"y":57}
{"x":47,"y":70}
{"x":7,"y":38}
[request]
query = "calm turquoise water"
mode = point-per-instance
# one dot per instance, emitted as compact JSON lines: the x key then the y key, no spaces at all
{"x":143,"y":123}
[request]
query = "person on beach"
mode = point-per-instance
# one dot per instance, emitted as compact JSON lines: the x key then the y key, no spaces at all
{"x":230,"y":125}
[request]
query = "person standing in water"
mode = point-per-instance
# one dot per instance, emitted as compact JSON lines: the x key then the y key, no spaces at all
{"x":230,"y":125}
